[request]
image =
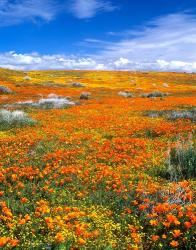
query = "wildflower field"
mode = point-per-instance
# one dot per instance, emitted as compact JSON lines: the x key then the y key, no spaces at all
{"x":97,"y":160}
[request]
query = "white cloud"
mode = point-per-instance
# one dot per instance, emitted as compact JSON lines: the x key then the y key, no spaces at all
{"x":165,"y":44}
{"x":157,"y":65}
{"x":121,"y":62}
{"x":177,"y":66}
{"x":15,"y":12}
{"x":34,"y":61}
{"x":18,"y":11}
{"x":170,"y":38}
{"x":83,"y":9}
{"x":14,"y":60}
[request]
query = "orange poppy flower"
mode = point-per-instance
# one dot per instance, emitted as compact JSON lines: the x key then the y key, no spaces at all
{"x":172,"y":219}
{"x":174,"y":243}
{"x":176,"y":233}
{"x":187,"y":224}
{"x":59,"y":237}
{"x":81,"y":241}
{"x":3,"y":241}
{"x":24,"y":200}
{"x":154,"y":237}
{"x":153,"y":222}
{"x":14,"y":242}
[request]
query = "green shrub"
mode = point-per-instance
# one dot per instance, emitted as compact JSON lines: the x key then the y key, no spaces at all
{"x":126,"y":94}
{"x":171,"y":115}
{"x":5,"y":90}
{"x":182,"y":161}
{"x":154,"y":94}
{"x":182,"y":114}
{"x":17,"y":118}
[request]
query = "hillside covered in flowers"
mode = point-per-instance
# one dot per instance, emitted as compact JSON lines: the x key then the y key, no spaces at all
{"x":97,"y":160}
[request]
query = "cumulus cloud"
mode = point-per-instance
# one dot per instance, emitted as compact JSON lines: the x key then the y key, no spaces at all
{"x":34,"y":61}
{"x":171,"y":37}
{"x":83,"y":9}
{"x":121,"y":62}
{"x":165,"y":44}
{"x":177,"y":66}
{"x":15,"y":12}
{"x":157,"y":65}
{"x":15,"y":60}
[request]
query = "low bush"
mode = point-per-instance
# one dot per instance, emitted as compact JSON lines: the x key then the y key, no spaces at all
{"x":174,"y":114}
{"x":182,"y":114}
{"x":51,"y":102}
{"x":126,"y":94}
{"x":85,"y":96}
{"x":154,"y":94}
{"x":27,"y":78}
{"x":54,"y":102}
{"x":181,"y":162}
{"x":77,"y":85}
{"x":5,"y":90}
{"x":9,"y":119}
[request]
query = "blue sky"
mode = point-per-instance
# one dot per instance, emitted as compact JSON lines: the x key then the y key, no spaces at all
{"x":98,"y":34}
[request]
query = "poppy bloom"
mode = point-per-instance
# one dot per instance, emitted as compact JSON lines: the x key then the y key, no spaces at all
{"x":14,"y":242}
{"x":59,"y":237}
{"x":174,"y":243}
{"x":24,"y":200}
{"x":153,"y":222}
{"x":187,"y":224}
{"x":176,"y":233}
{"x":81,"y":241}
{"x":172,"y":219}
{"x":154,"y":237}
{"x":3,"y":241}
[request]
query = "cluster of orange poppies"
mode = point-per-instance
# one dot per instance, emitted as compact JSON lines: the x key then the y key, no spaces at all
{"x":86,"y":177}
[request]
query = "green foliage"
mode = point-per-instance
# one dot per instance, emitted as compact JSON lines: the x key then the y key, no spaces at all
{"x":12,"y":119}
{"x":5,"y":90}
{"x":154,"y":94}
{"x":182,"y":162}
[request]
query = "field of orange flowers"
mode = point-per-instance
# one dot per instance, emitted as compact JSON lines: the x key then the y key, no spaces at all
{"x":90,"y":176}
